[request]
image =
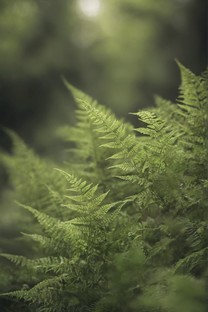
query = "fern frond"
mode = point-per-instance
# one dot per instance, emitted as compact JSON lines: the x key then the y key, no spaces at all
{"x":117,"y":134}
{"x":87,"y":144}
{"x":62,"y":233}
{"x":56,"y":265}
{"x":26,"y":182}
{"x":193,"y":90}
{"x":43,"y":241}
{"x":42,"y":292}
{"x":193,"y":261}
{"x":18,"y":260}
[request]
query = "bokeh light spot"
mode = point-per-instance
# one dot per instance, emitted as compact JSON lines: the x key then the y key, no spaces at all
{"x":90,"y":8}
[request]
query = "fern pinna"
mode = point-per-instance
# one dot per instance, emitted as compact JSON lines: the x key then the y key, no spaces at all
{"x":134,"y":236}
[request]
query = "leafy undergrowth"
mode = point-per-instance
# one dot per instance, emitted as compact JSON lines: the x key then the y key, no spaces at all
{"x":122,"y":225}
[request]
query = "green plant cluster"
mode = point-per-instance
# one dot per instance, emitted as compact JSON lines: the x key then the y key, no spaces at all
{"x":123,"y":221}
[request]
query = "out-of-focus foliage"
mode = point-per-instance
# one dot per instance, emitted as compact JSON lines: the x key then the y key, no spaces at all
{"x":142,"y":39}
{"x":122,"y":56}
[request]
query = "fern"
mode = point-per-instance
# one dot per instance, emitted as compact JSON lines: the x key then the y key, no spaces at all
{"x":87,"y":143}
{"x":81,"y":241}
{"x":125,"y":218}
{"x":26,"y":182}
{"x":93,"y":147}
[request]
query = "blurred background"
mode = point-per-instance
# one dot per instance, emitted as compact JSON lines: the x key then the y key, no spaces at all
{"x":122,"y":52}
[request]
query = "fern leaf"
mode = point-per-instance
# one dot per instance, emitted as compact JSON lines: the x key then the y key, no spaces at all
{"x":192,"y":261}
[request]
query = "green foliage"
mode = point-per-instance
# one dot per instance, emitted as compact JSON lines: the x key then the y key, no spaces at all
{"x":31,"y":187}
{"x":132,"y":234}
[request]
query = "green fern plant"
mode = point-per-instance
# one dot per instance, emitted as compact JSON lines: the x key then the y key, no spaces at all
{"x":123,"y":224}
{"x":24,"y":168}
{"x":80,"y":246}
